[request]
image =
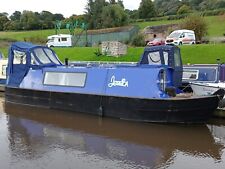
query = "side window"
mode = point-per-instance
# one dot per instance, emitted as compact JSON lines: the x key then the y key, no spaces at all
{"x":154,"y":58}
{"x":165,"y":56}
{"x":33,"y":60}
{"x":58,"y":39}
{"x":177,"y":58}
{"x":64,"y":39}
{"x":191,"y":36}
{"x":19,"y":57}
{"x":182,"y":35}
{"x":75,"y":79}
{"x":190,"y":74}
{"x":41,"y":56}
{"x":51,"y":56}
{"x":4,"y":67}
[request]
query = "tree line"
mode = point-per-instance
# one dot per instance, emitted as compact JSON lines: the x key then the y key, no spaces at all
{"x":106,"y":13}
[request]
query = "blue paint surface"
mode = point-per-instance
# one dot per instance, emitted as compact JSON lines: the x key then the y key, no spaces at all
{"x":143,"y":80}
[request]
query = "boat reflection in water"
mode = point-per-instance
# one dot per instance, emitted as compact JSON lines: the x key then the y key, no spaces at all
{"x":54,"y":139}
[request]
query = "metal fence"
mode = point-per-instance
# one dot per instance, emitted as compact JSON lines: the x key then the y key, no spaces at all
{"x":96,"y":39}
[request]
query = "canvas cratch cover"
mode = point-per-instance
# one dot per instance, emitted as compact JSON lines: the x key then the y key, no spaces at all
{"x":23,"y":56}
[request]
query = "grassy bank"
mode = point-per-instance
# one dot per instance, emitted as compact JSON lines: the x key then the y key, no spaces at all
{"x":192,"y":54}
{"x":203,"y":53}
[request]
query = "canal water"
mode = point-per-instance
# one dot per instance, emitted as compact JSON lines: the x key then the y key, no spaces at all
{"x":46,"y":139}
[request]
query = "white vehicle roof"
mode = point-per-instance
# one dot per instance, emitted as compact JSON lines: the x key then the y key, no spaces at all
{"x":60,"y":35}
{"x":184,"y":30}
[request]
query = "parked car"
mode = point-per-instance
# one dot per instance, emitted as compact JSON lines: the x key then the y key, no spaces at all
{"x":180,"y":37}
{"x":156,"y":42}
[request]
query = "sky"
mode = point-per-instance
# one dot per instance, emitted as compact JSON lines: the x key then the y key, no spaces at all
{"x":65,"y":7}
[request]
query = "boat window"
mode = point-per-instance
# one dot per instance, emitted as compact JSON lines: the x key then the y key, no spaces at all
{"x":165,"y":56}
{"x":75,"y":79}
{"x":19,"y":57}
{"x":4,"y":67}
{"x":39,"y":52}
{"x":177,"y":58}
{"x":154,"y":58}
{"x":190,"y":74}
{"x":33,"y":60}
{"x":51,"y":55}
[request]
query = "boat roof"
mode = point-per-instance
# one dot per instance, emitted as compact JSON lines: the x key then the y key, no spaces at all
{"x":160,"y":48}
{"x":24,"y":46}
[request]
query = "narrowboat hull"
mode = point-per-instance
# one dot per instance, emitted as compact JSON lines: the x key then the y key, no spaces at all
{"x":173,"y":110}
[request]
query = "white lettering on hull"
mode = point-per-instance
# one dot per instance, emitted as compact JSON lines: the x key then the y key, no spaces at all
{"x":122,"y":83}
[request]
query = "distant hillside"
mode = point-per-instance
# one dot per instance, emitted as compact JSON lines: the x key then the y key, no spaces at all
{"x":216,"y":24}
{"x":216,"y":28}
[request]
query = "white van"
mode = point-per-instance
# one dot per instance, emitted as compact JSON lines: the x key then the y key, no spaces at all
{"x":181,"y":37}
{"x":61,"y":40}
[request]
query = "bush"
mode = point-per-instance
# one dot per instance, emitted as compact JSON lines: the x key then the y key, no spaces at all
{"x":197,"y":24}
{"x":35,"y":39}
{"x":98,"y":52}
{"x":138,"y":40}
{"x":213,"y":12}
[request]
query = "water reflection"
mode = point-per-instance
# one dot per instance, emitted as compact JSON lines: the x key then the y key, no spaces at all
{"x":89,"y":142}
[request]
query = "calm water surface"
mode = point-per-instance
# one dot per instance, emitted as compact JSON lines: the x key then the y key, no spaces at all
{"x":46,"y":139}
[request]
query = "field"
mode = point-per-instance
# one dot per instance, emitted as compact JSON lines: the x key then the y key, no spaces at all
{"x":192,"y":54}
{"x":216,"y":27}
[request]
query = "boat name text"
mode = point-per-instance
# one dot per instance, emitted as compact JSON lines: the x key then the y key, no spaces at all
{"x":113,"y":82}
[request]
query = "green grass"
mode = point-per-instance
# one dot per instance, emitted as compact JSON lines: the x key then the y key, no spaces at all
{"x":216,"y":25}
{"x":21,"y":35}
{"x":142,"y":25}
{"x":193,"y":54}
{"x":203,"y":54}
{"x":4,"y":51}
{"x":87,"y":54}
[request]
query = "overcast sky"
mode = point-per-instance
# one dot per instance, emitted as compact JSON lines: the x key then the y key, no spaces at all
{"x":65,"y":7}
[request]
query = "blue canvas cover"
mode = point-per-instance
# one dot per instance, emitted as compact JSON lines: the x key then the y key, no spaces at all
{"x":18,"y":70}
{"x":173,"y":60}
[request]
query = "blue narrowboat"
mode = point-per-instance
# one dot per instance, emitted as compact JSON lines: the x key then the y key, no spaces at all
{"x":146,"y":91}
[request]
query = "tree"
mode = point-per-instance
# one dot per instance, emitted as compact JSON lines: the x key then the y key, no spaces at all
{"x":112,"y":1}
{"x":46,"y":20}
{"x":30,"y":21}
{"x":184,"y":9}
{"x":114,"y":16}
{"x":146,"y":9}
{"x":15,"y":16}
{"x":197,"y":24}
{"x":195,"y":3}
{"x":58,"y":17}
{"x":101,"y":14}
{"x":94,"y":12}
{"x":169,"y":7}
{"x":3,"y":20}
{"x":120,"y":2}
{"x":132,"y":14}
